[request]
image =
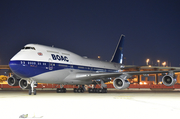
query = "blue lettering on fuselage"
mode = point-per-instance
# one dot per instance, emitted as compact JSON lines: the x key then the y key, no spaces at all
{"x":60,"y":58}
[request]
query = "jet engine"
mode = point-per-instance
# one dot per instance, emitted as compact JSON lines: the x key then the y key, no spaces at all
{"x":13,"y":81}
{"x":121,"y":82}
{"x":24,"y":84}
{"x":168,"y":80}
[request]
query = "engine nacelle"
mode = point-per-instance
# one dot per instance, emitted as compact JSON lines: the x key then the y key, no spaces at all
{"x":13,"y":81}
{"x":168,"y":80}
{"x":121,"y":83}
{"x":24,"y":84}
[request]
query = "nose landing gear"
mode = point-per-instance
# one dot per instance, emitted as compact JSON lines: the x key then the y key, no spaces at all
{"x":32,"y":90}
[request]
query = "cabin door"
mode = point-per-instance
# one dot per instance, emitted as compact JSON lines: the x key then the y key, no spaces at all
{"x":50,"y":64}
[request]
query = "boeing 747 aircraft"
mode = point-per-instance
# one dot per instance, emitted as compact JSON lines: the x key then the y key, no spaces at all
{"x":43,"y":64}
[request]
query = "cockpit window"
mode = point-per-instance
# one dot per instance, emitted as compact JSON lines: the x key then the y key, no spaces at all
{"x":29,"y":48}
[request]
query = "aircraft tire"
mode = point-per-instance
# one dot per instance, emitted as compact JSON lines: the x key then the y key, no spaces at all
{"x":34,"y":92}
{"x":30,"y":92}
{"x":58,"y":90}
{"x":89,"y":90}
{"x":75,"y":90}
{"x":104,"y":90}
{"x":100,"y":90}
{"x":63,"y":90}
{"x":79,"y":90}
{"x":96,"y":90}
{"x":82,"y":90}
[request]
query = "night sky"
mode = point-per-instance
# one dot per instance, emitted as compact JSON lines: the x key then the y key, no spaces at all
{"x":93,"y":27}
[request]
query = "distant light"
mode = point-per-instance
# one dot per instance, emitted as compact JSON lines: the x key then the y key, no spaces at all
{"x":158,"y":62}
{"x":99,"y":57}
{"x":149,"y":65}
{"x":147,"y":61}
{"x":164,"y":63}
{"x":141,"y":83}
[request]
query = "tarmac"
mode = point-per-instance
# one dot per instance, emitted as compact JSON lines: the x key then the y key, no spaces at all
{"x":116,"y":104}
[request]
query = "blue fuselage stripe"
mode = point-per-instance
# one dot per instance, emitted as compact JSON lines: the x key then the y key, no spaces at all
{"x":26,"y":69}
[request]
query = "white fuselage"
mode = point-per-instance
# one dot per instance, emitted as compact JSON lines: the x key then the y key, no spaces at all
{"x":53,"y":65}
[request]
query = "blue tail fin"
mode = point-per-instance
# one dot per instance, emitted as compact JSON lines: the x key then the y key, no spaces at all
{"x":118,"y":54}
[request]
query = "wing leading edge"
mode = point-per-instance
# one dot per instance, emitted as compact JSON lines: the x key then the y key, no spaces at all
{"x":90,"y":76}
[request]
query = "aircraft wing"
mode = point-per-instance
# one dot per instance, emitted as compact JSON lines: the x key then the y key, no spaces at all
{"x":126,"y":67}
{"x":88,"y":76}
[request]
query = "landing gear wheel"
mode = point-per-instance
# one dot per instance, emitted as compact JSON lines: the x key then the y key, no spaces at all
{"x":96,"y":90}
{"x":64,"y":90}
{"x":90,"y":90}
{"x":82,"y":90}
{"x":58,"y":90}
{"x":100,"y":90}
{"x":104,"y":90}
{"x":33,"y":84}
{"x":93,"y":90}
{"x":30,"y":92}
{"x":34,"y":92}
{"x":75,"y":90}
{"x":61,"y":90}
{"x":79,"y":90}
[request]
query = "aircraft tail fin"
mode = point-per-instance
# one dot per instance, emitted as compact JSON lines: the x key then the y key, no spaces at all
{"x":118,"y":54}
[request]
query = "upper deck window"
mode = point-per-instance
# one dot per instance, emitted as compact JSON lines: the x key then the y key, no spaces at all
{"x":29,"y":48}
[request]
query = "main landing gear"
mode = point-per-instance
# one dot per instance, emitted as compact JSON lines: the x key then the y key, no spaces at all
{"x":80,"y":89}
{"x":97,"y":90}
{"x":32,"y":90}
{"x":103,"y":88}
{"x":61,"y":90}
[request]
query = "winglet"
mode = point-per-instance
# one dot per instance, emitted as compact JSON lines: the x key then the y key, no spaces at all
{"x":118,"y":54}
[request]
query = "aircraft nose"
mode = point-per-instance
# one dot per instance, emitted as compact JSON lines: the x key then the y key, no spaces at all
{"x":18,"y":68}
{"x":14,"y":66}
